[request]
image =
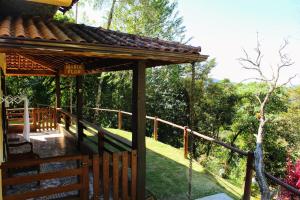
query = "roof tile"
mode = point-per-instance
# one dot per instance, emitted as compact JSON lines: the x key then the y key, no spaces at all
{"x":36,"y":28}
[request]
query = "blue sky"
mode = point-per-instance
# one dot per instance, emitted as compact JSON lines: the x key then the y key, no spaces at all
{"x":223,"y":28}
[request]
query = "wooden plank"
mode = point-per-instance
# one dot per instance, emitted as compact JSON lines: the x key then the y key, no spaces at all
{"x":106,"y":176}
{"x":33,"y":162}
{"x":125,"y":175}
{"x":116,"y":176}
{"x":133,"y":174}
{"x":139,"y":124}
{"x":43,"y":176}
{"x":96,"y":183}
{"x":43,"y":192}
{"x":84,"y":193}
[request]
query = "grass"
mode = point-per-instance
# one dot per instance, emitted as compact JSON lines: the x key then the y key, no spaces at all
{"x":167,"y":173}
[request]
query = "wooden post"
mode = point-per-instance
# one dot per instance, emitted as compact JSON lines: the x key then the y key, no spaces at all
{"x":96,"y":182}
{"x":155,"y":127}
{"x":79,"y":105}
{"x":58,"y":97}
{"x":67,"y":121}
{"x":119,"y":120}
{"x":185,"y":142}
{"x":139,"y":125}
{"x":34,"y":121}
{"x":248,"y":179}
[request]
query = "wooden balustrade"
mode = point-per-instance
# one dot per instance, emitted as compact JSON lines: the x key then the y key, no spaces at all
{"x":39,"y":118}
{"x":81,"y":171}
{"x":114,"y":174}
{"x":123,"y":172}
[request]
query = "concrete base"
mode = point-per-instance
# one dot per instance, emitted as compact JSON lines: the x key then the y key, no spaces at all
{"x":221,"y":196}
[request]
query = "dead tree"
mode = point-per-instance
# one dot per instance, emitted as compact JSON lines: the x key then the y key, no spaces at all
{"x":273,"y":84}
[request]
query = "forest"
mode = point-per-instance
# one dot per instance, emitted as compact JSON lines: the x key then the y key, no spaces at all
{"x":224,"y":110}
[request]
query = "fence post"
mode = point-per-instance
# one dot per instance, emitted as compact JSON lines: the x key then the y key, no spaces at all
{"x":248,"y":178}
{"x":155,"y":127}
{"x":185,"y":142}
{"x":119,"y":120}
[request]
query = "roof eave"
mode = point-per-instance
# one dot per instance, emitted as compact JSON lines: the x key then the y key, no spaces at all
{"x":96,"y":50}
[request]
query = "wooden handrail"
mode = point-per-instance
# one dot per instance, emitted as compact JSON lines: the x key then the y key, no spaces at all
{"x":205,"y":137}
{"x":283,"y":184}
{"x":107,"y":133}
{"x":234,"y":149}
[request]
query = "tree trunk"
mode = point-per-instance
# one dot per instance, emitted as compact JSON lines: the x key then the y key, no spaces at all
{"x":259,"y":164}
{"x":110,"y":16}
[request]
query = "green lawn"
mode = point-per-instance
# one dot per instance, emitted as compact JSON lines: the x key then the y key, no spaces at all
{"x":167,"y":173}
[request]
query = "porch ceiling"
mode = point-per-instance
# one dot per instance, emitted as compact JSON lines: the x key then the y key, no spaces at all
{"x":44,"y":46}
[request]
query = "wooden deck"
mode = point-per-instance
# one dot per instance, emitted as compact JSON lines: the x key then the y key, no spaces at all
{"x":48,"y":143}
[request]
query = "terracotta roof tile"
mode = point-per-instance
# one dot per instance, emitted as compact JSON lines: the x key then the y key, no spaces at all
{"x":36,"y":28}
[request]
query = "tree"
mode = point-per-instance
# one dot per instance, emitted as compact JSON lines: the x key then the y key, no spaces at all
{"x":272,"y":85}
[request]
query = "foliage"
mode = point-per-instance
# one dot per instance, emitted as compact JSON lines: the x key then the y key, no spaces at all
{"x":292,"y":178}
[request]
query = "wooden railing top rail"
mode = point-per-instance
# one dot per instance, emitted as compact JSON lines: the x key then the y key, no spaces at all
{"x":281,"y":183}
{"x":32,"y":162}
{"x":241,"y":152}
{"x":67,"y":113}
{"x":106,"y":132}
{"x":17,"y":109}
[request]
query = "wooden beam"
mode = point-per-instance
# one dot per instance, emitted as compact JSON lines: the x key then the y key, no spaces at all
{"x":139,"y":124}
{"x":79,"y":105}
{"x":58,"y":96}
{"x":19,"y":72}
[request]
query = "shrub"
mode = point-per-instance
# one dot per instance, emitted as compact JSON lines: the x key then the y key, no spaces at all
{"x":292,"y":178}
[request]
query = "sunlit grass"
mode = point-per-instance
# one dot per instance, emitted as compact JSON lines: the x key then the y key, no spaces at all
{"x":167,"y":173}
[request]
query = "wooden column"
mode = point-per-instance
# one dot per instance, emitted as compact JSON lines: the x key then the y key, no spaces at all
{"x":139,"y":125}
{"x":79,"y":105}
{"x":58,"y":97}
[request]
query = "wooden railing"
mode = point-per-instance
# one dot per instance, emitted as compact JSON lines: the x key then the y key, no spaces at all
{"x":113,"y":175}
{"x":40,"y":119}
{"x":82,"y":172}
{"x":123,"y":171}
{"x":103,"y":135}
{"x":187,"y":131}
